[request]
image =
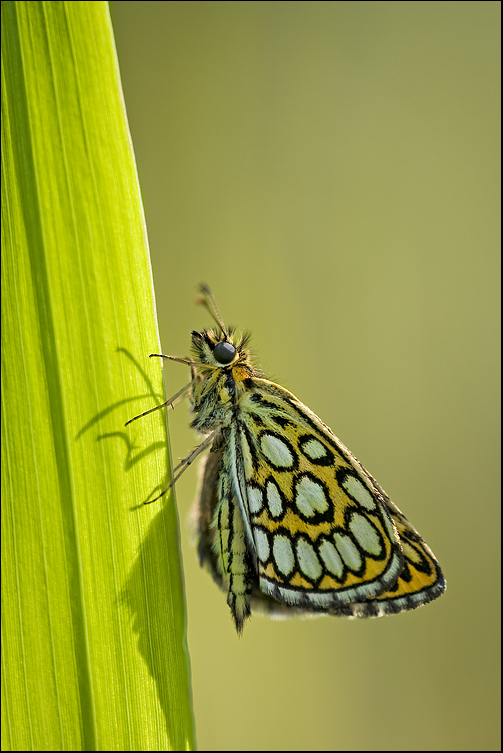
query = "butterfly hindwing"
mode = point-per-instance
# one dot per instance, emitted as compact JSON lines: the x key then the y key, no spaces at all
{"x":321,"y":531}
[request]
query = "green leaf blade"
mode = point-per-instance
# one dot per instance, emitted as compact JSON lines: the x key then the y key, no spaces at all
{"x":94,"y":647}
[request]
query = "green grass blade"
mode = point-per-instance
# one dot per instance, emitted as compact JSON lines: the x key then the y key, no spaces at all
{"x":93,"y":615}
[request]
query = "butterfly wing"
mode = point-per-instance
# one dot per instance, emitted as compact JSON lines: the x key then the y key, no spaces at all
{"x":321,"y":531}
{"x":420,"y":581}
{"x":326,"y":536}
{"x":203,"y":512}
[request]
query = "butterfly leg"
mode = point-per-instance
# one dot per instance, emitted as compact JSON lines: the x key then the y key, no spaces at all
{"x":184,"y":464}
{"x":171,"y":402}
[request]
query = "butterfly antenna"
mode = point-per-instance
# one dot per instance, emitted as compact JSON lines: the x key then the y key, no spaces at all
{"x":206,"y":299}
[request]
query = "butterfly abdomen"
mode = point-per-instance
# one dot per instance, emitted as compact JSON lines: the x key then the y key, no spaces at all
{"x":233,"y":556}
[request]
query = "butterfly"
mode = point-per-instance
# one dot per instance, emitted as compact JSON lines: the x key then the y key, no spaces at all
{"x":288,"y":521}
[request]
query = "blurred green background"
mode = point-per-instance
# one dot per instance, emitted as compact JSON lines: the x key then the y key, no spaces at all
{"x":331,"y":169}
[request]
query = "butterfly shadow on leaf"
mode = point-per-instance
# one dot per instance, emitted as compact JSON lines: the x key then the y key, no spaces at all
{"x":133,"y":454}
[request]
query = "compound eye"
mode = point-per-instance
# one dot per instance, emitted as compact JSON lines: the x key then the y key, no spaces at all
{"x":224,"y":353}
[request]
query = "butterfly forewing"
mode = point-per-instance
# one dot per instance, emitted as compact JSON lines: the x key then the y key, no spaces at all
{"x":321,"y":533}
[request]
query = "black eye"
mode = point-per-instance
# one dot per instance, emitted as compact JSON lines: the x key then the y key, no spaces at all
{"x":224,"y":353}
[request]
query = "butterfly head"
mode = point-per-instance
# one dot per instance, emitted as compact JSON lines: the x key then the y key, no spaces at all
{"x":220,"y":350}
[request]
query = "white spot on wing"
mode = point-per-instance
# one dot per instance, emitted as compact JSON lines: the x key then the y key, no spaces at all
{"x":276,"y":451}
{"x":310,"y":497}
{"x":365,"y":533}
{"x":314,"y":449}
{"x":262,"y":544}
{"x":255,"y":500}
{"x":331,"y":558}
{"x":283,"y":554}
{"x":308,"y":560}
{"x":348,"y":551}
{"x":247,"y":459}
{"x":274,"y":501}
{"x":359,"y":492}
